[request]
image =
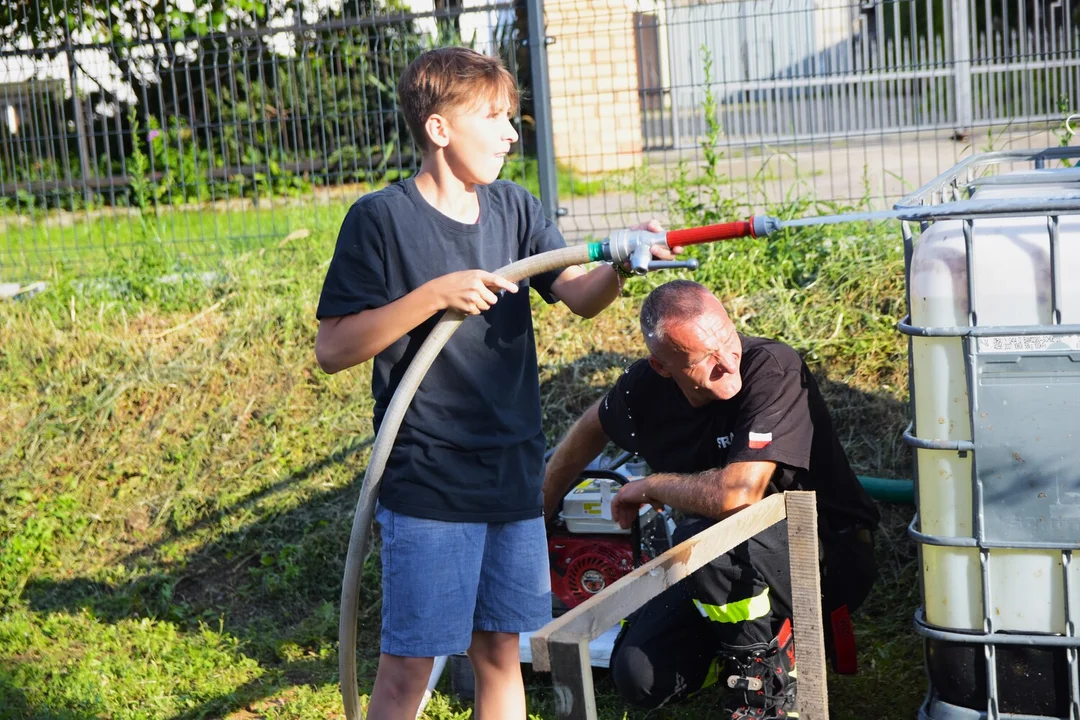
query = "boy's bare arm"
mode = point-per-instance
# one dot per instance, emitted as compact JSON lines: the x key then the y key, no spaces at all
{"x":586,"y":293}
{"x":350,"y":340}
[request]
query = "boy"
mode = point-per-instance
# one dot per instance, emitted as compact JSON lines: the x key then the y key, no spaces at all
{"x":460,"y":507}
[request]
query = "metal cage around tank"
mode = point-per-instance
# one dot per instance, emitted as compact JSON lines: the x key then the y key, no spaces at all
{"x":1021,"y":384}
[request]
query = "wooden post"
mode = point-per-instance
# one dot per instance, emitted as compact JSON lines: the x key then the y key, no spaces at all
{"x":571,"y":676}
{"x":813,"y":695}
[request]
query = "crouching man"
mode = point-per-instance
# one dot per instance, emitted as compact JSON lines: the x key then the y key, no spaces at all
{"x":723,"y":420}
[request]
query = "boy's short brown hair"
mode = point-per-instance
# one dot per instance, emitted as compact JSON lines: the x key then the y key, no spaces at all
{"x":452,"y":78}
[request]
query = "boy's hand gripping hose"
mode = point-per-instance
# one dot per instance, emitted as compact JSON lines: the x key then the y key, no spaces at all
{"x":632,"y":245}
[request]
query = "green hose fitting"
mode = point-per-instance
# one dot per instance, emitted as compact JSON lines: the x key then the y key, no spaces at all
{"x":596,"y":251}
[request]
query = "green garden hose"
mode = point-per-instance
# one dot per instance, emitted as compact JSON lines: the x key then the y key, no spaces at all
{"x":901,"y":492}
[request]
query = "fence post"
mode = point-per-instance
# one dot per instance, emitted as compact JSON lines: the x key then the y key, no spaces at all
{"x":80,"y":120}
{"x":961,"y":42}
{"x":541,"y":92}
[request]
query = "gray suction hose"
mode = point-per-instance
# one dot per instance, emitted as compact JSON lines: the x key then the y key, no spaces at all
{"x":384,"y":441}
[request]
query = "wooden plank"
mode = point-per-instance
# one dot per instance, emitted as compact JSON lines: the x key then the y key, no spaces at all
{"x":813,"y":695}
{"x":571,"y":677}
{"x":593,"y":617}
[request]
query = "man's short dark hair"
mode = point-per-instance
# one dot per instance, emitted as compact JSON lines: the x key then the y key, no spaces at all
{"x":678,"y":300}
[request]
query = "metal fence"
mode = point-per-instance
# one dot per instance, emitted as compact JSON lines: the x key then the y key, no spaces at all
{"x":843,"y":101}
{"x":174,"y":130}
{"x":799,"y":70}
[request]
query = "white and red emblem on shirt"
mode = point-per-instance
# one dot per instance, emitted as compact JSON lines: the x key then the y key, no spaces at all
{"x":759,"y":440}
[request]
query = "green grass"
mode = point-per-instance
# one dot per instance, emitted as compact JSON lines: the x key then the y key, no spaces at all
{"x":179,"y":478}
{"x":119,"y":241}
{"x":193,"y":238}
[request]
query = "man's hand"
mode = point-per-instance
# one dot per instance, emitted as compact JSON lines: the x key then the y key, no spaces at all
{"x":468,"y":291}
{"x":552,"y":496}
{"x":628,"y":501}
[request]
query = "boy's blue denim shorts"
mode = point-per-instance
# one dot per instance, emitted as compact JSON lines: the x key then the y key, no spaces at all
{"x":443,"y":580}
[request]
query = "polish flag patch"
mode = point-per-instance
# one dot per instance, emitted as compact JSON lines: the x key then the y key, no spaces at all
{"x":759,"y":440}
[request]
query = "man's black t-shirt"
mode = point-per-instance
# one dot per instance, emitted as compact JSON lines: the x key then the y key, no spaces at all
{"x":777,"y":416}
{"x":471,"y":446}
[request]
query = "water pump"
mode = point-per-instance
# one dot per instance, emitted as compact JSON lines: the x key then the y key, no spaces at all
{"x":587,"y":550}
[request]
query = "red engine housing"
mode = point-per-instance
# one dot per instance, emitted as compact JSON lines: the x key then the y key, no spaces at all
{"x":583,"y":565}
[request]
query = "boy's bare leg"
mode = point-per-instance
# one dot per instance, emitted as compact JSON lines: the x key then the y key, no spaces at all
{"x":496,"y":661}
{"x":399,"y":687}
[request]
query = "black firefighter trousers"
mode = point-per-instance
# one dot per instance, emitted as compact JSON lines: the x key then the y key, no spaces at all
{"x":667,"y":649}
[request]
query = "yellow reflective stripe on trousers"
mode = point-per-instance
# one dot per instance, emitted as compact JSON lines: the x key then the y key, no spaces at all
{"x":738,"y":611}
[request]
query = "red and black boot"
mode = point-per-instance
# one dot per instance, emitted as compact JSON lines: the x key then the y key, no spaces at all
{"x":762,"y":680}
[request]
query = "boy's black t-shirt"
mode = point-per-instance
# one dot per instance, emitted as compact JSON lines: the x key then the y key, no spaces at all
{"x":471,"y":446}
{"x":777,"y":416}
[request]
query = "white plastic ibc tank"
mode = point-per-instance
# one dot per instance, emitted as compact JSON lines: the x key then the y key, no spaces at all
{"x":1012,"y":286}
